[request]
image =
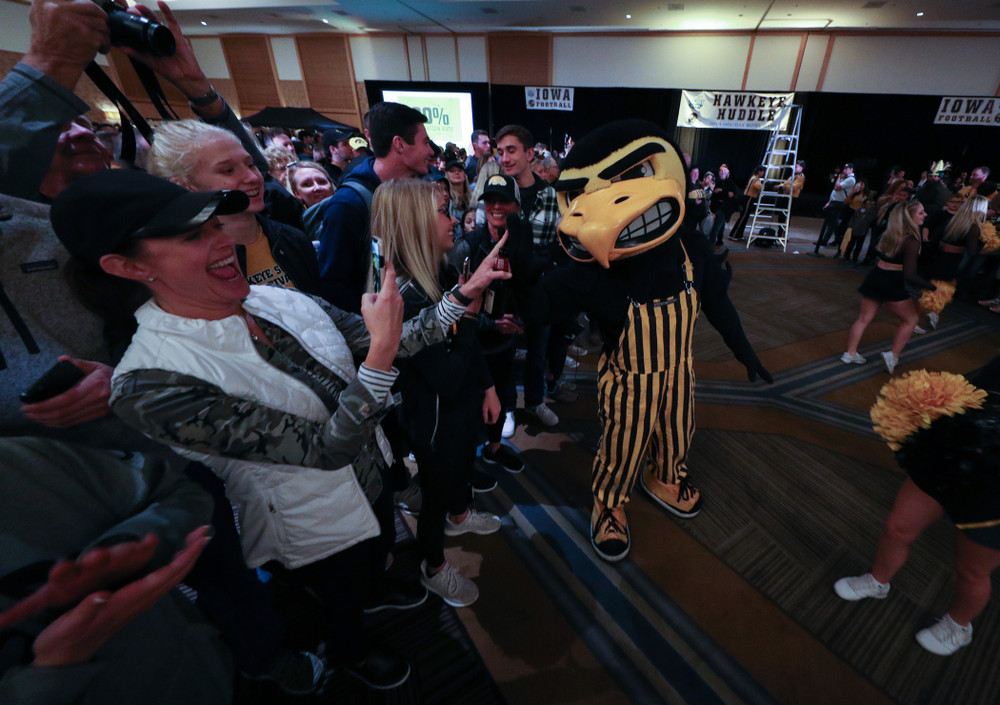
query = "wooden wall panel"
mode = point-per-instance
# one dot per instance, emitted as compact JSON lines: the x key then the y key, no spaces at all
{"x":520,"y":59}
{"x":328,"y":72}
{"x":252,"y":69}
{"x":293,"y":94}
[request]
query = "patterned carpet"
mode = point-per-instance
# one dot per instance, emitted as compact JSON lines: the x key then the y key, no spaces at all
{"x":446,"y":669}
{"x":797,"y":487}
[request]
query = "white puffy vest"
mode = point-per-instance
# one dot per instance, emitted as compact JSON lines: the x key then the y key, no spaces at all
{"x":293,"y":514}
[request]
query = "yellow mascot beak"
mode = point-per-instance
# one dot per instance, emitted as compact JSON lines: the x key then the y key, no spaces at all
{"x":624,"y":219}
{"x":623,"y":202}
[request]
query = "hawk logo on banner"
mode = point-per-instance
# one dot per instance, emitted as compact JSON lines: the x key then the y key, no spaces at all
{"x":958,"y":110}
{"x":548,"y":98}
{"x":734,"y":110}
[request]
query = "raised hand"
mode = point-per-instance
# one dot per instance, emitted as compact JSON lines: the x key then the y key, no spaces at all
{"x":383,"y":314}
{"x":486,"y":273}
{"x":182,"y":69}
{"x":66,"y":35}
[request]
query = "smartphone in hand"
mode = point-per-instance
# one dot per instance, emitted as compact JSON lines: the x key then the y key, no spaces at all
{"x":377,"y":264}
{"x":58,"y":379}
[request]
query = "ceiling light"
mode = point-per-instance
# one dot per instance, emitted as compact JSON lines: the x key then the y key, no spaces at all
{"x":628,"y":17}
{"x":204,"y":24}
{"x":326,"y":21}
{"x":920,"y":14}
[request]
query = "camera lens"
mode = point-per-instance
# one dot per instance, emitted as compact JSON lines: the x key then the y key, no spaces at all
{"x":137,"y":32}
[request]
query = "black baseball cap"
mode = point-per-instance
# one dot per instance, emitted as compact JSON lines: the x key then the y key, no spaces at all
{"x":335,"y":135}
{"x":102,"y":212}
{"x":502,"y":185}
{"x":455,"y":163}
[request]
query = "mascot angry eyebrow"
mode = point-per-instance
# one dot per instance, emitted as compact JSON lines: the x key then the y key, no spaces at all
{"x":643,"y":278}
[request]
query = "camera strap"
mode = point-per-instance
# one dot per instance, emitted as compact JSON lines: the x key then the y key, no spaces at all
{"x":154,"y":90}
{"x":125,"y":109}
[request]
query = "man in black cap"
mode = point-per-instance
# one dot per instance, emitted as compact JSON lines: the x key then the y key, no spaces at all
{"x":338,"y":152}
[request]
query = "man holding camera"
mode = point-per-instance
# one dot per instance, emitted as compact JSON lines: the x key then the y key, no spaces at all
{"x":835,"y":212}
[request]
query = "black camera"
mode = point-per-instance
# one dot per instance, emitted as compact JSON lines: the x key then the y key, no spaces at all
{"x":137,"y":32}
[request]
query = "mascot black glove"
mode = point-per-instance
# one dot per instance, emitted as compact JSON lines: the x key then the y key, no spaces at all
{"x":754,"y":368}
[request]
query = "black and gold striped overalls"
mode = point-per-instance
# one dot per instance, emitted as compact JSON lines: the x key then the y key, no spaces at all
{"x":645,"y":392}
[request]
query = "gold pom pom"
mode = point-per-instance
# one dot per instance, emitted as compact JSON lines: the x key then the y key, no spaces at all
{"x":914,"y":400}
{"x":935,"y":301}
{"x":988,"y":236}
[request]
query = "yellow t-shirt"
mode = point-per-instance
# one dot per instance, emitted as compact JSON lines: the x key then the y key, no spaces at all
{"x":261,"y":267}
{"x":753,"y":189}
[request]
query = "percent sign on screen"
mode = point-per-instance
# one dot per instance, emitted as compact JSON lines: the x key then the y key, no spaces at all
{"x":436,"y":115}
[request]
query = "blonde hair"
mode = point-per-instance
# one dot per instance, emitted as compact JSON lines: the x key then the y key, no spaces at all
{"x":901,"y":226}
{"x":404,"y":221}
{"x":277,"y":156}
{"x":175,"y":148}
{"x":296,"y":168}
{"x":490,"y":168}
{"x":461,"y":194}
{"x":972,"y":212}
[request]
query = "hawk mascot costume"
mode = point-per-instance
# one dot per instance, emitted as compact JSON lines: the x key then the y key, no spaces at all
{"x":643,"y":278}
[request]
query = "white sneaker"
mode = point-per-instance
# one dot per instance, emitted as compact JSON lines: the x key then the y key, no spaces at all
{"x":890,"y":361}
{"x":918,"y":330}
{"x":854,"y":359}
{"x":860,"y":587}
{"x":946,"y":637}
{"x":577,"y":351}
{"x":475,"y":523}
{"x":932,"y":319}
{"x":508,"y":426}
{"x":545,"y":415}
{"x":570,"y":363}
{"x":450,"y":585}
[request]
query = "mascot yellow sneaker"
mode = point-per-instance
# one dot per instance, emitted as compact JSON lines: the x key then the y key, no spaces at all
{"x":682,"y":499}
{"x":609,"y":531}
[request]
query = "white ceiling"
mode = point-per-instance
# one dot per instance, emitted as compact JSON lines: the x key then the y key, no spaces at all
{"x":478,"y":16}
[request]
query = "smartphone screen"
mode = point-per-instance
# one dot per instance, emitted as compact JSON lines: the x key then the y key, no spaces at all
{"x":376,"y":265}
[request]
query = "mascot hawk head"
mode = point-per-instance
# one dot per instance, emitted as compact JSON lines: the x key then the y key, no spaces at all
{"x":621,"y":192}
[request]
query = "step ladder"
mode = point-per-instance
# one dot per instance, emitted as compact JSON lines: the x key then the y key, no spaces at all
{"x":774,"y":208}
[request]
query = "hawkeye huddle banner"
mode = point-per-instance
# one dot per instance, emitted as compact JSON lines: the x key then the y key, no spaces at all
{"x":956,"y":110}
{"x":734,"y":110}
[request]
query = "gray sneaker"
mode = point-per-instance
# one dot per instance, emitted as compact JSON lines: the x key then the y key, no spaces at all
{"x":860,"y":587}
{"x":475,"y":523}
{"x":946,"y":637}
{"x":450,"y":585}
{"x":409,"y":500}
{"x":855,"y":359}
{"x":890,"y":361}
{"x":545,"y":415}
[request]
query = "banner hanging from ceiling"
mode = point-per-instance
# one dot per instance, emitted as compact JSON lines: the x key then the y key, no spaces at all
{"x":734,"y":110}
{"x":962,"y":110}
{"x":548,"y":98}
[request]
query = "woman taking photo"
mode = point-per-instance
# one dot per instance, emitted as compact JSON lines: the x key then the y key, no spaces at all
{"x":446,"y":387}
{"x":259,"y":384}
{"x":201,"y":157}
{"x":886,"y":284}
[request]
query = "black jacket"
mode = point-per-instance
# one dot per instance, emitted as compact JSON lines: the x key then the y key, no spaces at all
{"x":292,"y":250}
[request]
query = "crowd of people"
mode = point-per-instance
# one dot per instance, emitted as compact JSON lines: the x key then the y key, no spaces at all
{"x":275,"y":321}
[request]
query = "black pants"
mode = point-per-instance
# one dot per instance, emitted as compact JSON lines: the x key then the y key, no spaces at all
{"x":501,"y":366}
{"x":229,"y":592}
{"x":741,"y":224}
{"x":445,"y":464}
{"x":345,"y":582}
{"x":854,"y":246}
{"x":836,"y":213}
